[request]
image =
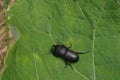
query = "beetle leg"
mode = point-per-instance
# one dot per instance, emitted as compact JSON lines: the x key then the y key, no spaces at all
{"x":67,"y":63}
{"x":82,"y":52}
{"x":70,"y":46}
{"x":70,"y":66}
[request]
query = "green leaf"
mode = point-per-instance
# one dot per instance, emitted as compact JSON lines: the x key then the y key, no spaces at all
{"x":90,"y":25}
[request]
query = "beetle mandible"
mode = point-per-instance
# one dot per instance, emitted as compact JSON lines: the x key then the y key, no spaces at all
{"x":66,"y":54}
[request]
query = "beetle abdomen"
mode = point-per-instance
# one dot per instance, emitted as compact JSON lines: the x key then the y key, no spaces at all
{"x":70,"y":56}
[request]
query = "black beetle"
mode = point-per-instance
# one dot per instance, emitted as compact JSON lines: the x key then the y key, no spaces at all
{"x":66,"y":54}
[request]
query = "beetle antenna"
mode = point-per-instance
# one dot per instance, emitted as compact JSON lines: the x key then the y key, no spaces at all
{"x":71,"y":66}
{"x":68,"y":64}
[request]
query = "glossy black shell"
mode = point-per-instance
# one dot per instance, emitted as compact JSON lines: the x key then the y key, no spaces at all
{"x":64,"y":53}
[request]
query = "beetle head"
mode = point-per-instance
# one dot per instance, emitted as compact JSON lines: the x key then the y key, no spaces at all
{"x":54,"y":50}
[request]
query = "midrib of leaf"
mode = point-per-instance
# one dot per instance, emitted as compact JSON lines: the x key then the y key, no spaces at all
{"x":93,"y":36}
{"x":93,"y":42}
{"x":93,"y":54}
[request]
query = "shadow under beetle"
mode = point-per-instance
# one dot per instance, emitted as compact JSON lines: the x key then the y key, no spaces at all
{"x":65,"y":54}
